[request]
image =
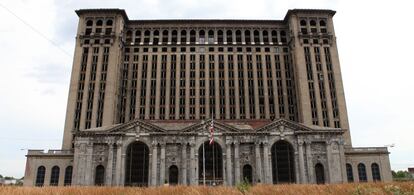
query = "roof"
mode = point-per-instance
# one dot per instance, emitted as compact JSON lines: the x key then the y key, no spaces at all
{"x":203,"y":21}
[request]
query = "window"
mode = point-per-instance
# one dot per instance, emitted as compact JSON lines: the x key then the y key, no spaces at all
{"x":174,"y":37}
{"x":165,"y":36}
{"x":229,"y":36}
{"x":40,"y":176}
{"x":68,"y":176}
{"x":376,"y":175}
{"x":349,"y":173}
{"x":247,"y":36}
{"x":238,"y":37}
{"x":362,"y":174}
{"x":54,"y":177}
{"x":99,"y":23}
{"x":147,"y":37}
{"x":210,"y":37}
{"x":256,"y":36}
{"x":220,"y":37}
{"x":265,"y":37}
{"x":183,"y":37}
{"x":156,"y":37}
{"x":89,"y":23}
{"x":192,"y":36}
{"x":109,"y":22}
{"x":303,"y":22}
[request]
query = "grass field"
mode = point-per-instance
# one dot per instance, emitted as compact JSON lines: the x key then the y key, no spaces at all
{"x":401,"y":188}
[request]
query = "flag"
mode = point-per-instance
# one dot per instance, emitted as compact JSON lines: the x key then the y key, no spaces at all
{"x":211,"y":132}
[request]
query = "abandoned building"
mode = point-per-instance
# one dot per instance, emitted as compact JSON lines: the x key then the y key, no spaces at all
{"x":143,"y":95}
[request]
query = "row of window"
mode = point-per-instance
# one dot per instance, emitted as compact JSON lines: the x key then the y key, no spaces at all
{"x":362,"y":173}
{"x":312,"y":26}
{"x":206,"y":37}
{"x":54,"y":176}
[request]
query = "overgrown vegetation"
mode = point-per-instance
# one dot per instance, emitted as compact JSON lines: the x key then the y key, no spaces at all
{"x":395,"y":188}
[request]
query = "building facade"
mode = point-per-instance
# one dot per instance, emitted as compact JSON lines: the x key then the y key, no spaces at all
{"x":143,"y":94}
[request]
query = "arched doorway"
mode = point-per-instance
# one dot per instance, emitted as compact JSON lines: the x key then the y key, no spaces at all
{"x":137,"y":164}
{"x":283,"y":169}
{"x":173,"y":175}
{"x":100,"y":175}
{"x":213,"y":161}
{"x":248,"y":173}
{"x":320,"y":174}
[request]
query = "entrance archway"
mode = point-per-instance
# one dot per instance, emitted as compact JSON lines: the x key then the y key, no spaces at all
{"x":283,"y":169}
{"x":214,"y":164}
{"x":173,"y":175}
{"x":247,"y":173}
{"x":137,"y":164}
{"x":320,"y":173}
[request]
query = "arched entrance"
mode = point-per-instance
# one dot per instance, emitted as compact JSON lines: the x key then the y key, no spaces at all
{"x":137,"y":164}
{"x":247,"y":173}
{"x":320,"y":173}
{"x":213,"y":161}
{"x":283,"y":168}
{"x":100,"y":175}
{"x":173,"y":175}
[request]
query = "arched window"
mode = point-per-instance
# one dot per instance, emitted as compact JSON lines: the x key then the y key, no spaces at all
{"x":312,"y":23}
{"x":202,"y":36}
{"x":220,"y":37}
{"x":283,"y":36}
{"x":174,"y":37}
{"x":313,"y":26}
{"x":147,"y":34}
{"x":54,"y":177}
{"x":99,"y":23}
{"x":99,"y":175}
{"x":192,"y":36}
{"x":320,"y":173}
{"x":349,"y":173}
{"x":109,"y":22}
{"x":128,"y":36}
{"x":137,"y":164}
{"x":229,"y":37}
{"x":183,"y":37}
{"x":165,"y":36}
{"x":40,"y":176}
{"x":256,"y":37}
{"x":210,"y":36}
{"x":362,"y":173}
{"x":213,"y":161}
{"x":376,"y":175}
{"x":247,"y":38}
{"x":68,"y":176}
{"x":238,"y":37}
{"x":156,"y":37}
{"x":265,"y":36}
{"x":274,"y":37}
{"x":303,"y":22}
{"x":322,"y":25}
{"x":89,"y":23}
{"x":137,"y":37}
{"x":283,"y":168}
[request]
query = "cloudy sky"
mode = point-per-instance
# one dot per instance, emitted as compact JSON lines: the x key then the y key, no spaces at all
{"x":37,"y":42}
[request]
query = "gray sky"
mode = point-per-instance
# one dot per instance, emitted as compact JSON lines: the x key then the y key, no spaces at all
{"x":36,"y":55}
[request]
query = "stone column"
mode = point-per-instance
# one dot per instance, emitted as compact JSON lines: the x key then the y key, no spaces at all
{"x":228,"y":164}
{"x":89,"y":169}
{"x":192,"y":165}
{"x":267,"y":170}
{"x":162,"y":166}
{"x":343,"y":160}
{"x":154,"y":164}
{"x":236,"y":163}
{"x":329,"y":159}
{"x":184,"y":164}
{"x":258,"y":164}
{"x":118,"y":162}
{"x":309,"y":162}
{"x":301,"y":162}
{"x":123,"y":169}
{"x":109,"y":168}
